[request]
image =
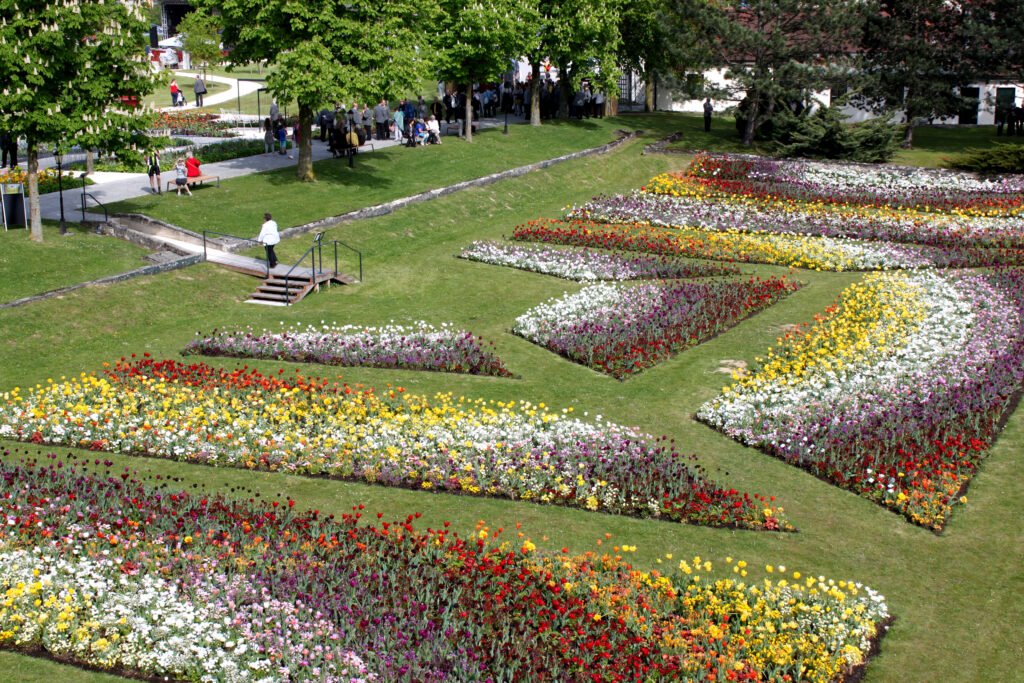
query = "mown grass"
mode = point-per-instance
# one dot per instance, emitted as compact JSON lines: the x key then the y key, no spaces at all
{"x":237,"y":207}
{"x":958,"y":598}
{"x":61,"y":260}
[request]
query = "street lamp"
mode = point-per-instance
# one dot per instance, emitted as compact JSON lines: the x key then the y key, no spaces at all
{"x":58,"y":155}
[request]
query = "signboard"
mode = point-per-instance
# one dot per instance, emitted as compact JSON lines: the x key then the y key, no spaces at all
{"x":12,"y":199}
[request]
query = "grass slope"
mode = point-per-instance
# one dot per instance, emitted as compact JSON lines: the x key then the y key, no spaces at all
{"x":60,"y":261}
{"x":959,"y":598}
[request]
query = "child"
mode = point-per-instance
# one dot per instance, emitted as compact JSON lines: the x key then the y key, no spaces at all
{"x":153,"y":169}
{"x":181,"y":176}
{"x":282,"y":137}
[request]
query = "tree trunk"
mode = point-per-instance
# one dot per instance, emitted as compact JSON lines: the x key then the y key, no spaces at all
{"x":908,"y":135}
{"x":469,"y":111}
{"x":535,"y":94}
{"x":90,"y":161}
{"x":304,"y":170}
{"x":751,"y":127}
{"x":563,"y":92}
{"x":649,"y":103}
{"x":35,"y":220}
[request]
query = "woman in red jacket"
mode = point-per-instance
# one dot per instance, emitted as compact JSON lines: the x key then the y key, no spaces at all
{"x":192,"y":164}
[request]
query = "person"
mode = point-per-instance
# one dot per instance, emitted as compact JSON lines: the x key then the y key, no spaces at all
{"x":199,"y":88}
{"x":275,"y":111}
{"x":153,"y":170}
{"x":9,"y":148}
{"x":321,"y":123}
{"x":381,"y":117}
{"x":268,"y":136}
{"x":599,"y":104}
{"x":709,"y":109}
{"x":192,"y":164}
{"x":433,"y":131}
{"x":419,"y":131}
{"x":437,"y":109}
{"x":181,"y":176}
{"x":269,"y":236}
{"x":449,"y":106}
{"x":175,"y":91}
{"x":421,"y":108}
{"x":368,"y":121}
{"x":282,"y":137}
{"x":399,"y":119}
{"x":1011,"y":121}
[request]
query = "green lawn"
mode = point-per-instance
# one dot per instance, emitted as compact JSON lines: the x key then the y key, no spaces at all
{"x":958,"y":598}
{"x":379,"y":176}
{"x":161,"y":97}
{"x":61,"y":260}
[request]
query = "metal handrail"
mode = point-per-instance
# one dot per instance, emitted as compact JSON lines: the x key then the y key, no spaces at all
{"x":357,"y":253}
{"x":315,"y":252}
{"x":100,"y":204}
{"x":224,"y":234}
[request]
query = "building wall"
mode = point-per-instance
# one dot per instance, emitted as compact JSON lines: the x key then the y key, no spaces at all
{"x":667,"y":101}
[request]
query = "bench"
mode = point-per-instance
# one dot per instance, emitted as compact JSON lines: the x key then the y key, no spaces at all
{"x":194,"y":180}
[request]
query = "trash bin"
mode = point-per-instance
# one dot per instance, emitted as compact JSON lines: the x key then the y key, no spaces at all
{"x":13,"y":205}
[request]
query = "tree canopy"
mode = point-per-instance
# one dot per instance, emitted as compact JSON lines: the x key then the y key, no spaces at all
{"x":71,"y":71}
{"x":329,"y":51}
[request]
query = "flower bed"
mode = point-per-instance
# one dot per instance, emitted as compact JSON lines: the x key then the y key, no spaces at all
{"x":798,"y":251}
{"x":109,"y":571}
{"x":896,"y":394}
{"x":828,"y":184}
{"x":414,"y":347}
{"x":196,"y":413}
{"x":47,"y":178}
{"x":794,"y":217}
{"x":587,"y":265}
{"x":622,"y":330}
{"x":193,"y":123}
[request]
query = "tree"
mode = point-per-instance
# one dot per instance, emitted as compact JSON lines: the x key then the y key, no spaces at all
{"x":71,"y":70}
{"x":576,"y":32}
{"x":202,"y":37}
{"x":644,"y":43}
{"x":586,"y":45}
{"x":917,"y":54}
{"x":480,"y":40}
{"x":773,"y":51}
{"x":328,"y":51}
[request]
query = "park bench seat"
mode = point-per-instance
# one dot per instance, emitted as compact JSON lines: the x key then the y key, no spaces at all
{"x":195,"y":180}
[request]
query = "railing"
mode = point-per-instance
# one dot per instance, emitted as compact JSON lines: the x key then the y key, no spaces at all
{"x":236,"y":237}
{"x":100,"y":204}
{"x":316,"y":253}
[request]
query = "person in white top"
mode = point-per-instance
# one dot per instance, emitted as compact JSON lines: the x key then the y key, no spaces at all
{"x":269,"y":236}
{"x":433,"y":131}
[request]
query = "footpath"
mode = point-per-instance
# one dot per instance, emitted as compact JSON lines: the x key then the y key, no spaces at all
{"x":114,"y":187}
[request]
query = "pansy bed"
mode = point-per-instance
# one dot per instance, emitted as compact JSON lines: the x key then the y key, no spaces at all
{"x":623,"y":329}
{"x":798,"y":251}
{"x":148,"y":580}
{"x":896,"y":393}
{"x":587,"y":265}
{"x":197,"y":413}
{"x":831,"y":184}
{"x":418,"y":346}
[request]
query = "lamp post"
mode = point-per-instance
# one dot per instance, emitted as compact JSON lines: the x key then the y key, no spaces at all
{"x":58,"y":155}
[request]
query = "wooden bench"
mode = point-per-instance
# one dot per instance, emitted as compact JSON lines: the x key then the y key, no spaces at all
{"x":194,"y":180}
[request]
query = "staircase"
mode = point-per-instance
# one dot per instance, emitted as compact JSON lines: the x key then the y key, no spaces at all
{"x":277,"y":290}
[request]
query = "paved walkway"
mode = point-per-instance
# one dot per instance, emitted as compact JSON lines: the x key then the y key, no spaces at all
{"x":115,"y":187}
{"x":236,"y":89}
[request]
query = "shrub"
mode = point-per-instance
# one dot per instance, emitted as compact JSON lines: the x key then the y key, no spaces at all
{"x":826,"y":134}
{"x":1002,"y":158}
